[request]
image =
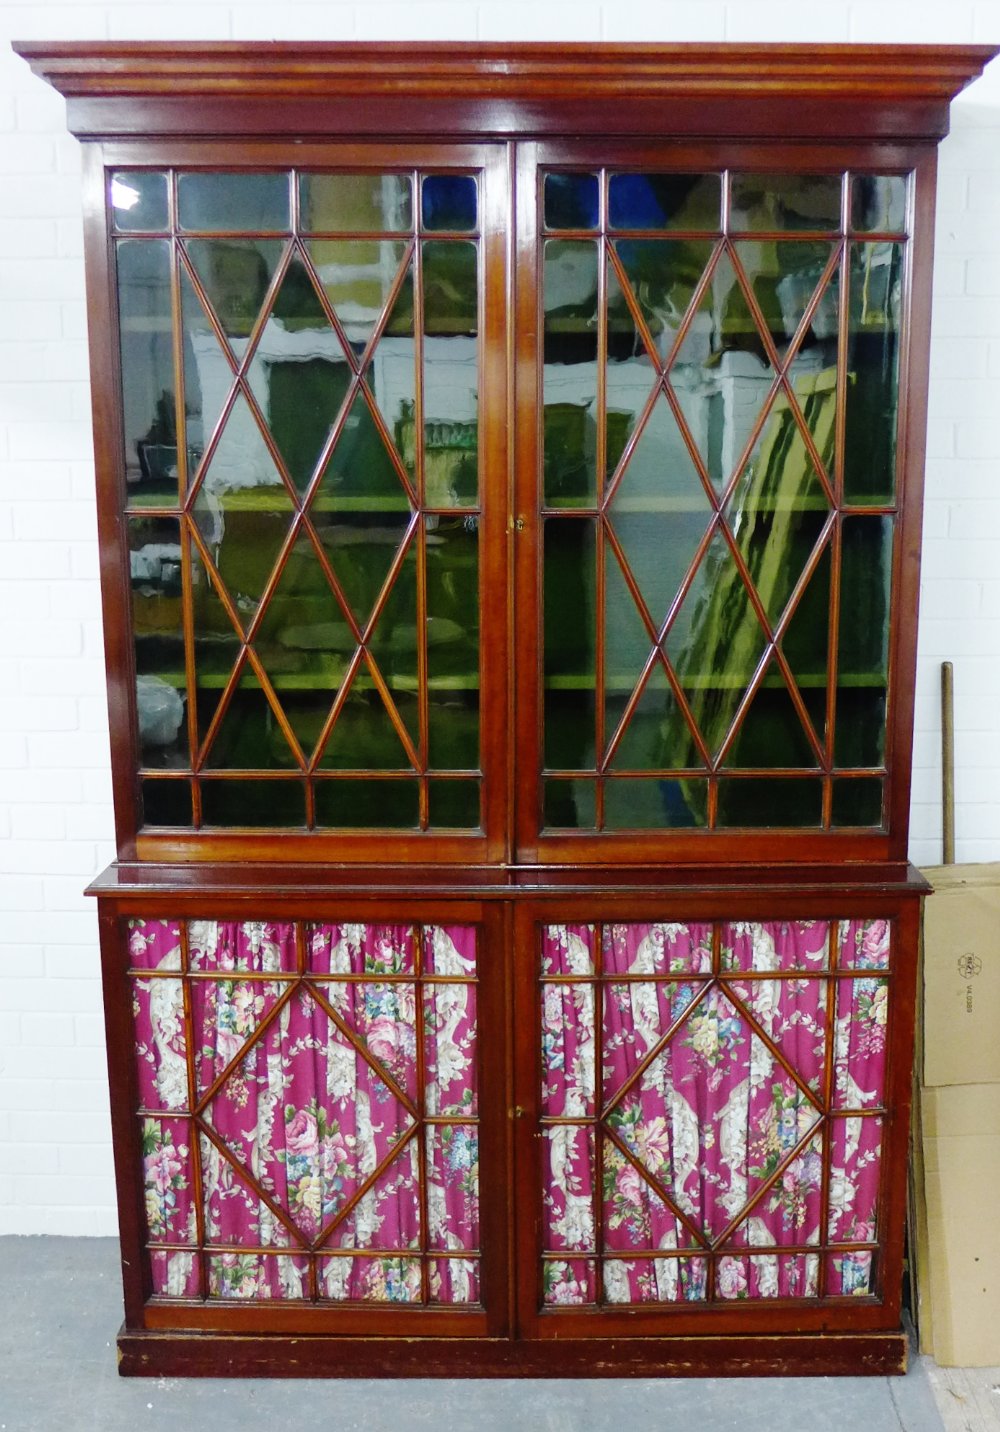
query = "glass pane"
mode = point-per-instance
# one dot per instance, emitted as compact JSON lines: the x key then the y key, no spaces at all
{"x":570,"y":805}
{"x":233,"y":202}
{"x":659,"y":511}
{"x":249,"y":735}
{"x":863,"y":654}
{"x":216,"y":642}
{"x":656,"y":736}
{"x":453,"y":1280}
{"x":166,"y":803}
{"x":450,"y":376}
{"x":771,"y":732}
{"x":362,"y":472}
{"x":242,"y":509}
{"x":451,"y":290}
{"x":715,"y":644}
{"x":452,"y":1185}
{"x":805,"y":644}
{"x":785,"y":201}
{"x":454,"y":805}
{"x":652,"y":804}
{"x":358,"y":277}
{"x":450,"y":1051}
{"x":878,"y":203}
{"x":857,"y":802}
{"x":568,"y":949}
{"x":262,"y":804}
{"x":570,"y":641}
{"x":235,"y":274}
{"x":773,"y":804}
{"x":665,"y":201}
{"x":571,"y":201}
{"x":569,"y":282}
{"x":720,"y":371}
{"x":568,"y":1161}
{"x":778,"y":945}
{"x":449,"y":201}
{"x":862,"y":1018}
{"x":147,"y":365}
{"x":662,"y":275}
{"x":158,"y":631}
{"x":299,"y":373}
{"x":567,"y":1051}
{"x":393,"y":805}
{"x":139,"y":201}
{"x":304,"y":643}
{"x":364,"y":736}
{"x":355,"y":203}
{"x":453,"y":643}
{"x":873,"y":372}
{"x":655,"y":1280}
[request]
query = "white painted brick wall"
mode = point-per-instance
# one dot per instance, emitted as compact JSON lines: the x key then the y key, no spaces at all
{"x":55,"y":809}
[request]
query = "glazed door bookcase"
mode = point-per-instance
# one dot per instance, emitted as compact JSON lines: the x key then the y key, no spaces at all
{"x":312,"y":403}
{"x":510,"y":563}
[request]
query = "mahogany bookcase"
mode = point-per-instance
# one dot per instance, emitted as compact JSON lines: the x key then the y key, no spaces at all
{"x":509,"y":467}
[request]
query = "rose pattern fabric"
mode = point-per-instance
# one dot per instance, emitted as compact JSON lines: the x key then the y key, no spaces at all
{"x":707,"y":1139}
{"x":318,"y":1118}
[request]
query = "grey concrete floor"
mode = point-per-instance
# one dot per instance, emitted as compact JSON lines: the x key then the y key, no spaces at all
{"x":60,"y":1307}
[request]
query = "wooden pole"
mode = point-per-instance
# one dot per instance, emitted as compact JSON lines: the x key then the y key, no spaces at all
{"x":948,"y":761}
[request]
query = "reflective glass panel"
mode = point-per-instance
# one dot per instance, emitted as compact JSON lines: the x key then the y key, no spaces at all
{"x":241,"y":203}
{"x":155,"y":562}
{"x":878,"y":203}
{"x":863,"y":652}
{"x":776,"y":202}
{"x":876,"y":280}
{"x":149,"y":413}
{"x":570,"y":373}
{"x":449,"y":201}
{"x":452,"y":636}
{"x":571,"y":201}
{"x":665,"y":201}
{"x":570,"y":642}
{"x":355,"y":203}
{"x":138,"y":200}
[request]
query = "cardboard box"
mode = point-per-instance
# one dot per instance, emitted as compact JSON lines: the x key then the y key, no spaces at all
{"x":961,"y":994}
{"x":955,"y":1195}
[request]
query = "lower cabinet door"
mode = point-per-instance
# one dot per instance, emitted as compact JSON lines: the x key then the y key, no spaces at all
{"x":513,"y":1122}
{"x":308,"y":1110}
{"x":708,"y":1119}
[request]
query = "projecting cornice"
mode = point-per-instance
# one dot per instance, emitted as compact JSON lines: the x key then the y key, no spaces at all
{"x":823,"y":92}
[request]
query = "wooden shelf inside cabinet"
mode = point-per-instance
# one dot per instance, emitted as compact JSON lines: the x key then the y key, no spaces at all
{"x":509,"y":548}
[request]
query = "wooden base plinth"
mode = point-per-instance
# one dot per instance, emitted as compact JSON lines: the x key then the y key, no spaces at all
{"x":172,"y":1354}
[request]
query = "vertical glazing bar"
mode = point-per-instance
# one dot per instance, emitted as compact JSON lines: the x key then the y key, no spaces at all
{"x":423,"y":702}
{"x":840,"y":435}
{"x":187,"y":584}
{"x":827,"y":1127}
{"x":600,"y":550}
{"x":598,"y":1017}
{"x":196,"y":1172}
{"x":422,"y":1125}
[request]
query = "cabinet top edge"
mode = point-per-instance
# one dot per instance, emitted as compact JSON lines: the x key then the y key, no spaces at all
{"x":324,"y":883}
{"x":542,"y":77}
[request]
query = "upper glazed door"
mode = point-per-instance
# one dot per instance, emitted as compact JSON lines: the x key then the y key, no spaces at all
{"x":311,"y":465}
{"x":715,"y":499}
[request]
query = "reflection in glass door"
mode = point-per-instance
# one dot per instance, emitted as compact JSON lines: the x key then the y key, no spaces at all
{"x":719,"y":377}
{"x":302,"y":369}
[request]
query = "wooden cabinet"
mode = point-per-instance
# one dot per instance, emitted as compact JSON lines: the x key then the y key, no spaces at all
{"x":510,"y":561}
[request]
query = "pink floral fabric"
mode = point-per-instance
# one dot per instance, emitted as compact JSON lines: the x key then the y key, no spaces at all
{"x":693,"y":1086}
{"x":291,"y":1096}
